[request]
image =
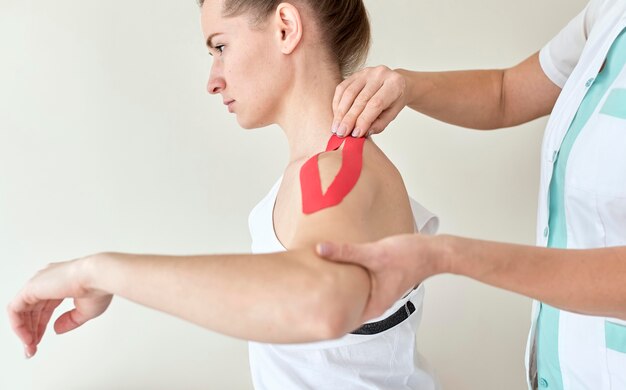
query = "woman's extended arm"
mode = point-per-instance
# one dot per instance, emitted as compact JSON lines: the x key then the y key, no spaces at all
{"x":282,"y":297}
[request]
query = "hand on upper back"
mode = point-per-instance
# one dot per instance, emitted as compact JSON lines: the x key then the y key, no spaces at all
{"x":367,"y":101}
{"x":30,"y":312}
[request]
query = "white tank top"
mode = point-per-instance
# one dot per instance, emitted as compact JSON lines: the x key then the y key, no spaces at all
{"x":387,"y":360}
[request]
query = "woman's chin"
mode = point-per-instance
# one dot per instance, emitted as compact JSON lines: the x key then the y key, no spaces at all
{"x":248,"y":124}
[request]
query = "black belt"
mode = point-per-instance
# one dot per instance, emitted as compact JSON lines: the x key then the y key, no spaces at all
{"x":380,"y":326}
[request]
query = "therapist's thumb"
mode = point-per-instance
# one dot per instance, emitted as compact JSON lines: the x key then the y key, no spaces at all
{"x":349,"y":253}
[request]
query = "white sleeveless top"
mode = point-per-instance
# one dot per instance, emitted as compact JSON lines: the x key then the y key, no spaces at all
{"x":387,"y":360}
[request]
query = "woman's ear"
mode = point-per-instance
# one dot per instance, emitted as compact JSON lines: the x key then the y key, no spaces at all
{"x":289,"y":26}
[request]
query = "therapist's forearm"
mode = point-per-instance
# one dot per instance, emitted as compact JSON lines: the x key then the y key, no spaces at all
{"x":279,"y":298}
{"x":483,"y":99}
{"x":589,"y":282}
{"x":464,"y":98}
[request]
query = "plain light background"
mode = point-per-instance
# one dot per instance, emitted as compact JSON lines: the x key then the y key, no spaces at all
{"x":109,"y":142}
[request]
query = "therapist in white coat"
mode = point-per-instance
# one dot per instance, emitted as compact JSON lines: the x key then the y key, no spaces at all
{"x":578,"y":335}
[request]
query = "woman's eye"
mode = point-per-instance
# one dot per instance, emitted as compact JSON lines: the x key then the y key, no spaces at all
{"x":219,"y":49}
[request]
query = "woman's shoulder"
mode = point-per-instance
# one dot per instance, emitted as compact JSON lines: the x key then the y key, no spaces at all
{"x":337,"y":203}
{"x":367,"y":167}
{"x":368,"y":163}
{"x":378,"y":193}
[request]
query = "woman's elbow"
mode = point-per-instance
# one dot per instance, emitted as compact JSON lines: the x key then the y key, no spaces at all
{"x":339,"y":304}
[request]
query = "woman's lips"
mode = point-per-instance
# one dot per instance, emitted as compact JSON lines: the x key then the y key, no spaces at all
{"x":229,"y":103}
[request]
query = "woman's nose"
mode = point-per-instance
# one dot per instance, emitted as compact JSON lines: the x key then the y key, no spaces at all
{"x":215,"y":85}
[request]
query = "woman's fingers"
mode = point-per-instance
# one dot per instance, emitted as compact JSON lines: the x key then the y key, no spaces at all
{"x":29,"y":322}
{"x":69,"y":321}
{"x":31,"y":310}
{"x":20,"y":322}
{"x":28,"y":335}
{"x":34,"y":325}
{"x":30,"y":351}
{"x":28,"y":325}
{"x":17,"y":324}
{"x":36,"y":318}
{"x":46,"y":314}
{"x":85,"y":309}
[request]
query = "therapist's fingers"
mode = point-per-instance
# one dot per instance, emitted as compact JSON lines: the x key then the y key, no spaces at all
{"x":369,"y":101}
{"x":347,"y":253}
{"x":339,"y":92}
{"x":346,"y":95}
{"x":382,"y":108}
{"x":384,"y":287}
{"x":382,"y":121}
{"x":362,"y":99}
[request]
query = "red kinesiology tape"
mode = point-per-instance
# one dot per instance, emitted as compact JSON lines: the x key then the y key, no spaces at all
{"x":313,"y":200}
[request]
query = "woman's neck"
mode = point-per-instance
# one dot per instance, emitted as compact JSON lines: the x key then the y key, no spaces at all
{"x":307,"y":113}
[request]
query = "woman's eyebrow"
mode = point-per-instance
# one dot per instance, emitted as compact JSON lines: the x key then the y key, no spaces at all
{"x":210,"y":38}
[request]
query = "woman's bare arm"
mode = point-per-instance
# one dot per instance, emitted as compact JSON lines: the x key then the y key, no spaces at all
{"x":284,"y":297}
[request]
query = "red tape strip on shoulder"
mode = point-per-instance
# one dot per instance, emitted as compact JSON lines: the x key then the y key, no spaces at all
{"x":313,"y":200}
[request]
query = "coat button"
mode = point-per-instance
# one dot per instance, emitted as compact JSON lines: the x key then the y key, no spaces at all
{"x":546,"y":231}
{"x":554,"y":154}
{"x":589,"y":82}
{"x":543,"y":383}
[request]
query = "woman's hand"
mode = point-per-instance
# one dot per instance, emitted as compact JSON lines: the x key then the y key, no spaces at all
{"x":30,"y":312}
{"x":366,"y":102}
{"x":396,"y":264}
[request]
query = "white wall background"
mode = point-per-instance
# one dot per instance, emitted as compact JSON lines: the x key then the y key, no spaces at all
{"x":108,"y":141}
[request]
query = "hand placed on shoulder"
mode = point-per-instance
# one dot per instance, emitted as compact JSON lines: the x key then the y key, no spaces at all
{"x":367,"y":101}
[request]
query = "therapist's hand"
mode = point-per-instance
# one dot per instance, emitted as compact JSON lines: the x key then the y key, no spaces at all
{"x":395,"y":264}
{"x":366,"y":102}
{"x":30,"y":312}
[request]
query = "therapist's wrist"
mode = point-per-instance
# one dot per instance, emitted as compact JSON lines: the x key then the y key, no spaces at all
{"x":466,"y":257}
{"x":447,"y":253}
{"x":412,"y":87}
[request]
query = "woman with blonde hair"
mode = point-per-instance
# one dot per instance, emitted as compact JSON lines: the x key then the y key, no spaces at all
{"x":276,"y":63}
